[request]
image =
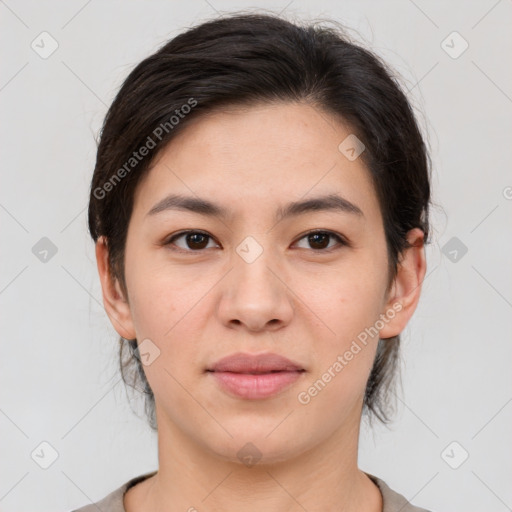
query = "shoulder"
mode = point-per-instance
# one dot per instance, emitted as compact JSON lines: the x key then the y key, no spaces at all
{"x":113,"y":502}
{"x":393,"y":501}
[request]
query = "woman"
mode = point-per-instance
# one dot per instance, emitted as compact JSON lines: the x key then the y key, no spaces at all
{"x":260,"y":208}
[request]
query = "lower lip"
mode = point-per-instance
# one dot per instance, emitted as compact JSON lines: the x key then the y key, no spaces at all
{"x":254,"y":387}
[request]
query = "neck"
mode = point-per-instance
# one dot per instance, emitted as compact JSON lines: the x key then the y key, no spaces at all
{"x":192,"y":478}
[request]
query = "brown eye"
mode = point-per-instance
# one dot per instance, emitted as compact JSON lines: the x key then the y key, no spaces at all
{"x":194,"y":240}
{"x":319,"y":240}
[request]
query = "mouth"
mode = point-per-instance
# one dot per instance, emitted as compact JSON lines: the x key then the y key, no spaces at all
{"x":255,"y":364}
{"x":254,"y":377}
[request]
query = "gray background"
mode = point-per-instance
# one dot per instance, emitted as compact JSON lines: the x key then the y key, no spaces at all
{"x":59,"y":379}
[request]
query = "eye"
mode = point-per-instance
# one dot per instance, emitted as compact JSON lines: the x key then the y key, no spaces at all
{"x":194,"y":240}
{"x":319,"y":240}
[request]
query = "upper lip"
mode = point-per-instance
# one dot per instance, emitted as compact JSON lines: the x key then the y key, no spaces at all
{"x":254,"y":363}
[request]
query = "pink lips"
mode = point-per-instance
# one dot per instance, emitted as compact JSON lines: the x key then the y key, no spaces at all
{"x":255,"y":376}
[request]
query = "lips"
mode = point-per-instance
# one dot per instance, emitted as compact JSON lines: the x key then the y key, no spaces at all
{"x":254,"y":377}
{"x":248,"y":363}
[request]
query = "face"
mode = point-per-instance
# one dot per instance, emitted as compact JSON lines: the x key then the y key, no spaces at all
{"x":247,"y":274}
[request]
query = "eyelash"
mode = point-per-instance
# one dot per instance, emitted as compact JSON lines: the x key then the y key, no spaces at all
{"x":341,"y":240}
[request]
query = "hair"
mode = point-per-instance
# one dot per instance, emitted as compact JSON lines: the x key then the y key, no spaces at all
{"x":243,"y":59}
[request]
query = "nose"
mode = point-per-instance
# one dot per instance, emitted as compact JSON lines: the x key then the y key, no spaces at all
{"x":255,"y":295}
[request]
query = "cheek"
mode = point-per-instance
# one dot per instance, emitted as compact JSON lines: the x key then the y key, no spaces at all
{"x":352,"y":300}
{"x":162,"y":297}
{"x":168,"y":307}
{"x":344,"y":355}
{"x":349,"y":305}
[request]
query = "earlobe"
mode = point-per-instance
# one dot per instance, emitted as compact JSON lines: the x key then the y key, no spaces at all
{"x":116,"y":305}
{"x":406,"y":288}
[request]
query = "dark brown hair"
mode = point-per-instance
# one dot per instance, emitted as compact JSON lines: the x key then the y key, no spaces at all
{"x":243,"y":59}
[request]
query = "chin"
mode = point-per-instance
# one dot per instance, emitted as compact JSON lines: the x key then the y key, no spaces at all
{"x":252,"y":447}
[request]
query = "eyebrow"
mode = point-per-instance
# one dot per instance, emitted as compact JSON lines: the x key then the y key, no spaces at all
{"x":331,"y":202}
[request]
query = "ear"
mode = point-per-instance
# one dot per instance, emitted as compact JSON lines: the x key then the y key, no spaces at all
{"x":116,"y":305}
{"x":405,"y":291}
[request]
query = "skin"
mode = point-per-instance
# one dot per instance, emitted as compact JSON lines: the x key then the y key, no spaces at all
{"x":297,"y":299}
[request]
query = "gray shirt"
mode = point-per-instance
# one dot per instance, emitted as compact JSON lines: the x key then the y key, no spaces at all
{"x":113,"y":502}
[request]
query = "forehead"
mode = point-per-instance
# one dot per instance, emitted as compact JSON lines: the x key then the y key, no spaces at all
{"x":259,"y":157}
